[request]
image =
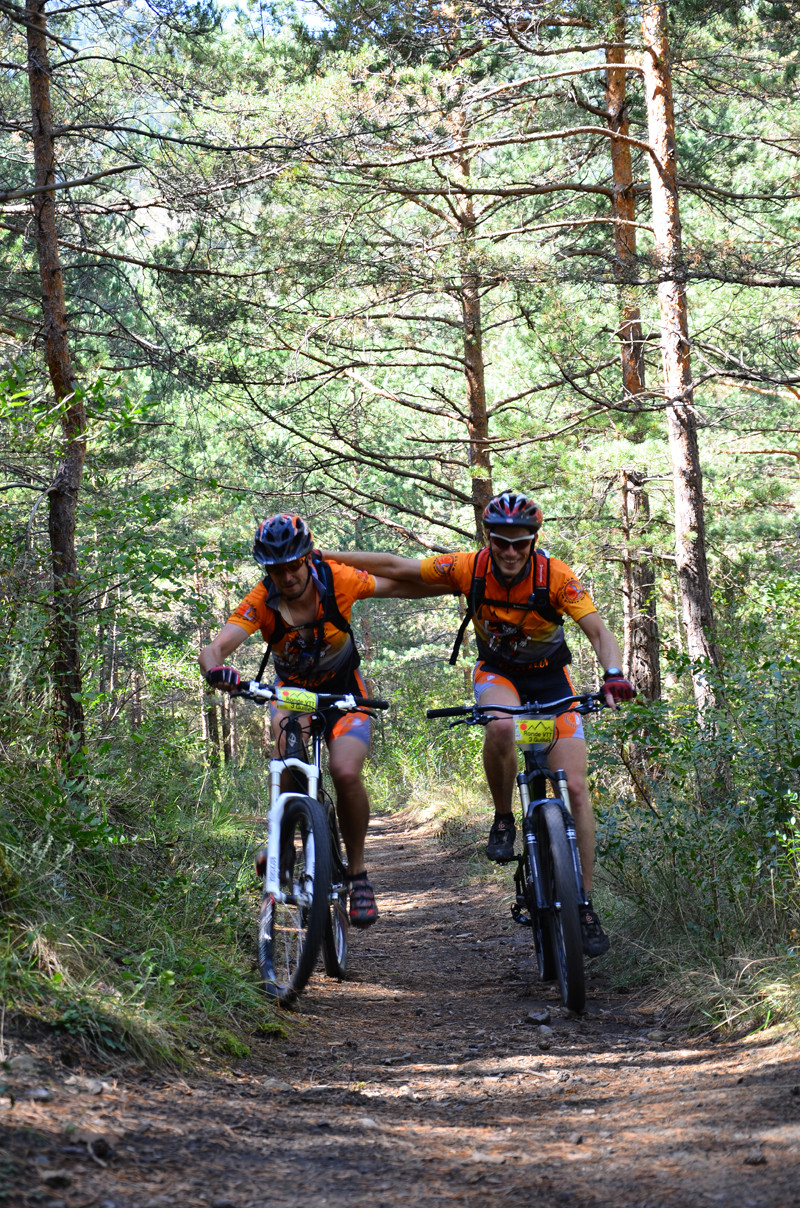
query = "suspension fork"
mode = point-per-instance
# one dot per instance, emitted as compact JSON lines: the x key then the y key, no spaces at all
{"x":572,"y":838}
{"x":529,"y":810}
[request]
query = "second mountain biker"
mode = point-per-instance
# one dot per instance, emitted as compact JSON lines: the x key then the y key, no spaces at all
{"x":517,"y":598}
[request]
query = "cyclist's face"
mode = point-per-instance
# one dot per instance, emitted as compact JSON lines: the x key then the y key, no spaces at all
{"x":511,"y":549}
{"x":291,"y":578}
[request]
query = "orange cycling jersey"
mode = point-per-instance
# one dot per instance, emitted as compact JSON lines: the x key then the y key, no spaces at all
{"x":508,"y":630}
{"x":311,"y":654}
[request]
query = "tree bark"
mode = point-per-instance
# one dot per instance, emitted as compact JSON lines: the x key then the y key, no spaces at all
{"x":641,"y":652}
{"x":479,"y":457}
{"x":642,"y":664}
{"x":624,"y":213}
{"x":690,"y":538}
{"x":63,"y":493}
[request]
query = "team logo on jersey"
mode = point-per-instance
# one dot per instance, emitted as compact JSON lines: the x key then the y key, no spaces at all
{"x":444,"y":564}
{"x":572,"y":592}
{"x":247,"y":612}
{"x":362,"y":574}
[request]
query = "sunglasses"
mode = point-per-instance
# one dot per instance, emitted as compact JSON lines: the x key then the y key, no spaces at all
{"x":509,"y":543}
{"x":286,"y":567}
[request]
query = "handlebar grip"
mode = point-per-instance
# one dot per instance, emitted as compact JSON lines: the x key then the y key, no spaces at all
{"x":453,"y":711}
{"x":369,"y":703}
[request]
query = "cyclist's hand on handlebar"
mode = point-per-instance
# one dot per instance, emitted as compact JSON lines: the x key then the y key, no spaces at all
{"x":227,"y":679}
{"x":617,"y":689}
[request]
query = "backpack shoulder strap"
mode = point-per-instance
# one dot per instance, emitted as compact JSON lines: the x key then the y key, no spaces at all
{"x":278,"y":630}
{"x":330,"y":605}
{"x":541,"y":589}
{"x":477,"y":591}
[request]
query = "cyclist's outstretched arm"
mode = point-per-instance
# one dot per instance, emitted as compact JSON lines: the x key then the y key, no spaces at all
{"x":395,"y":577}
{"x":386,"y":566}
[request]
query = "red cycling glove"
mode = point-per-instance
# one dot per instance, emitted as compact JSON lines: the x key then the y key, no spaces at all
{"x":619,"y":688}
{"x":223,"y":677}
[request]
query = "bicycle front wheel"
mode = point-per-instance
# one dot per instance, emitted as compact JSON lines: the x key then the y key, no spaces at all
{"x":564,"y":916}
{"x":291,"y":931}
{"x":337,"y":927}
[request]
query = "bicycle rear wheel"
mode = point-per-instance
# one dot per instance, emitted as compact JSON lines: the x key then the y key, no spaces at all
{"x":564,"y":917}
{"x":337,"y":926}
{"x":290,"y":932}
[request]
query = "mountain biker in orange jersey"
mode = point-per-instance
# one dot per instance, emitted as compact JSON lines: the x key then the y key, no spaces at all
{"x":302,"y":607}
{"x":522,"y":655}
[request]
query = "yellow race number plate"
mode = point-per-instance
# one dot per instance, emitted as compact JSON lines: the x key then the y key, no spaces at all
{"x":299,"y":700}
{"x":534,"y":729}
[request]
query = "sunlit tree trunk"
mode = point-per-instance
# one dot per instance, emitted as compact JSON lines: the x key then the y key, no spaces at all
{"x":624,"y":212}
{"x":697,"y":611}
{"x":479,"y":456}
{"x":641,"y":652}
{"x":642,"y":664}
{"x":63,"y":492}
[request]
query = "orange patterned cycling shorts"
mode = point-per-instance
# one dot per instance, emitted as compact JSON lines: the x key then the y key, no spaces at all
{"x":544,"y":687}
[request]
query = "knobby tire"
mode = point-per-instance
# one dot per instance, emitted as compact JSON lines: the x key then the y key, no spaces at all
{"x":290,"y":933}
{"x":337,"y":926}
{"x":564,"y":916}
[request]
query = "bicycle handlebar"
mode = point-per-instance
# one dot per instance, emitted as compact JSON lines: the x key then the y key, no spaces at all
{"x":344,"y":701}
{"x":586,"y":702}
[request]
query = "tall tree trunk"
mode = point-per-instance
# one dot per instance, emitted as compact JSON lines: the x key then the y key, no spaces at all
{"x":624,"y":212}
{"x":690,"y":536}
{"x":480,"y":463}
{"x":641,"y":652}
{"x":479,"y":457}
{"x":641,"y":658}
{"x":211,"y":727}
{"x":63,"y":492}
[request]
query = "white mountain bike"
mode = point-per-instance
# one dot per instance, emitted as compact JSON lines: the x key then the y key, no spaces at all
{"x":304,"y":896}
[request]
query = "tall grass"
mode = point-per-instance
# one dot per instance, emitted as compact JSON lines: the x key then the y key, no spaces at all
{"x":129,"y":926}
{"x":700,"y":847}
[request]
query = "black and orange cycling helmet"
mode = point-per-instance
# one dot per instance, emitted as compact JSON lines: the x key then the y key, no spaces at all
{"x":510,"y":508}
{"x":282,"y":538}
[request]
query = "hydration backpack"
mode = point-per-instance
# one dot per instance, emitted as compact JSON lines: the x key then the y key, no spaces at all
{"x":330,"y":613}
{"x":538,"y":601}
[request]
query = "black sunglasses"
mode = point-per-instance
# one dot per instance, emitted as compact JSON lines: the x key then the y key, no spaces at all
{"x":507,"y":543}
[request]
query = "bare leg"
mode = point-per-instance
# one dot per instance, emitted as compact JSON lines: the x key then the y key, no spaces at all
{"x":346,"y":756}
{"x":500,"y":760}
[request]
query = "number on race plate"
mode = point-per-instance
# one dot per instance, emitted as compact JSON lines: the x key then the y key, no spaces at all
{"x":298,"y":700}
{"x":528,"y":730}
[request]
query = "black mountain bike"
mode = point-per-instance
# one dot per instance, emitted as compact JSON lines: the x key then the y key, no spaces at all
{"x":548,"y":878}
{"x":304,"y":896}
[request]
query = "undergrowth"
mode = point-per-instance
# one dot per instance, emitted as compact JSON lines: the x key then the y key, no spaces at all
{"x":700,"y":849}
{"x":129,"y":921}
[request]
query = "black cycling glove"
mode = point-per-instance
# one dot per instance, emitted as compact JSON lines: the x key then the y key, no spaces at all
{"x":620,"y":688}
{"x":223,"y":677}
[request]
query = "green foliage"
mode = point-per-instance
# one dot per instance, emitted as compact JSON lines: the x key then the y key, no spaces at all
{"x":135,"y":933}
{"x":702,"y":858}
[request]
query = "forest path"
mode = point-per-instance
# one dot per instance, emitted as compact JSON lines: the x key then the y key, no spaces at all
{"x":419,"y":1082}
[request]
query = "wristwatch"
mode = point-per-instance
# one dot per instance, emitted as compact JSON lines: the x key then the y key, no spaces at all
{"x":611,"y":671}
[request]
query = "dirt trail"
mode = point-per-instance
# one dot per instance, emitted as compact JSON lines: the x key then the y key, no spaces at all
{"x":420,"y":1082}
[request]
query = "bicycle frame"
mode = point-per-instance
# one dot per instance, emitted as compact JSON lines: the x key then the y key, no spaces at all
{"x":304,"y":878}
{"x":310,"y":770}
{"x":279,"y":800}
